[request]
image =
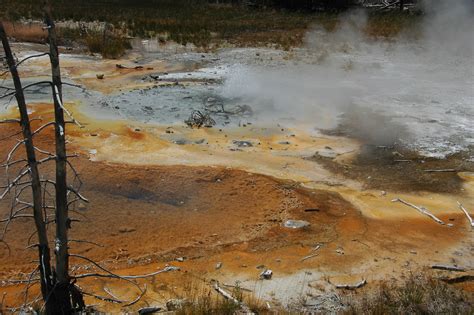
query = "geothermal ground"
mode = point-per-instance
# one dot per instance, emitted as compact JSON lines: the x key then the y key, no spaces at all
{"x":214,"y":201}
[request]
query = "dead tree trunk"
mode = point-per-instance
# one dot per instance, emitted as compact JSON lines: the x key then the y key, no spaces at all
{"x":43,"y":246}
{"x":402,"y":5}
{"x":63,"y":281}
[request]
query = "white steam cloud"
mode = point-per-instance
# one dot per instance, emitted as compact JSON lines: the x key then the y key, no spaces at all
{"x":415,"y":89}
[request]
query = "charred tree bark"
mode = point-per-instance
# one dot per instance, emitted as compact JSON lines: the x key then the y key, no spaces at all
{"x":63,"y":282}
{"x":43,"y":247}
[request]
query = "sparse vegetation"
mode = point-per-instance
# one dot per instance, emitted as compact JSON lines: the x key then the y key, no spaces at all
{"x":418,"y":294}
{"x":204,"y":24}
{"x":392,"y":24}
{"x":112,"y":46}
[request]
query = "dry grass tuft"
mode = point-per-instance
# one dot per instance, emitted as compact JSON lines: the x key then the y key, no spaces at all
{"x":418,"y":294}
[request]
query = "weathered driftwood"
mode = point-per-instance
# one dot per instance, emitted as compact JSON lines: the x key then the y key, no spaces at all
{"x":471,"y":221}
{"x":448,"y":268}
{"x":352,"y":286}
{"x":229,"y":296}
{"x":420,"y":209}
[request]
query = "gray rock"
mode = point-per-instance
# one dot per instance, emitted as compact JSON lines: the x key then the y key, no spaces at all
{"x":266,"y":274}
{"x":296,"y":224}
{"x":327,"y":153}
{"x":242,"y":143}
{"x":181,"y":141}
{"x":200,"y":141}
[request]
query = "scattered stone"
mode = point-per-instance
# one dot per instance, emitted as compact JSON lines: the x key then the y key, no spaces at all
{"x":340,"y":251}
{"x":81,"y":206}
{"x":94,"y":134}
{"x":296,"y":224}
{"x":266,"y":274}
{"x":284,"y":142}
{"x":180,"y":259}
{"x":260,"y":266}
{"x":100,"y":76}
{"x":218,"y":265}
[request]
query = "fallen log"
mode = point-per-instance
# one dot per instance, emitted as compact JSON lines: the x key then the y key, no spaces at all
{"x":420,"y":209}
{"x":466,"y":213}
{"x":149,"y":310}
{"x":448,"y":268}
{"x":352,"y":286}
{"x":446,"y":170}
{"x":460,"y":279}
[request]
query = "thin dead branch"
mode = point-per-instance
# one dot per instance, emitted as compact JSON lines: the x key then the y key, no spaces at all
{"x":60,"y":103}
{"x":308,"y":257}
{"x":103,"y":298}
{"x":420,"y":209}
{"x":471,"y":221}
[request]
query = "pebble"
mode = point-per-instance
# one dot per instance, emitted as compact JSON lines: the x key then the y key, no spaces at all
{"x":296,"y":224}
{"x":266,"y":274}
